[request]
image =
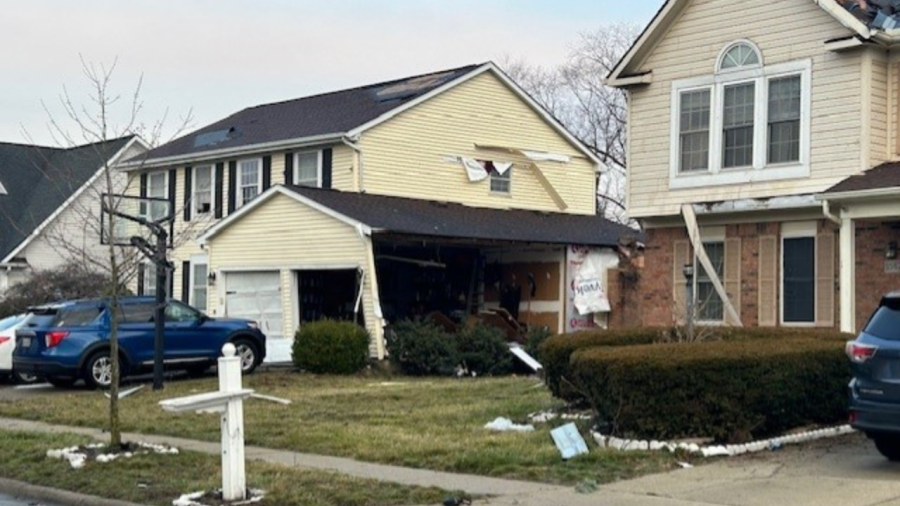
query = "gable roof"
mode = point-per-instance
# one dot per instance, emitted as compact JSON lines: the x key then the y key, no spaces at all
{"x":377,"y":214}
{"x":884,"y":177}
{"x":39,"y":180}
{"x":627,"y":72}
{"x":327,"y":117}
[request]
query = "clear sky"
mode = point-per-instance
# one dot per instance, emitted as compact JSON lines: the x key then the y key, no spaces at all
{"x":216,"y":57}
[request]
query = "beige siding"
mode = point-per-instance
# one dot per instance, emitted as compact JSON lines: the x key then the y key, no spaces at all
{"x":691,"y":49}
{"x":283,"y":234}
{"x":893,"y":109}
{"x":405,"y":156}
{"x":342,"y":174}
{"x":878,"y":97}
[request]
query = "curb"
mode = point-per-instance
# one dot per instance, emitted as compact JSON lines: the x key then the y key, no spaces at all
{"x":20,"y":488}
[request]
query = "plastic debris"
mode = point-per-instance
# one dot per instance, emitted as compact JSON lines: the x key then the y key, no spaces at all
{"x":569,"y":441}
{"x":501,"y":424}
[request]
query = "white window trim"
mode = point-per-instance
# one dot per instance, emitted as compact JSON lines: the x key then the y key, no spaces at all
{"x":796,"y":230}
{"x":198,"y":260}
{"x":239,"y":198}
{"x":710,"y":234}
{"x":296,"y":169}
{"x":212,"y":190}
{"x":508,"y":179}
{"x":760,"y":172}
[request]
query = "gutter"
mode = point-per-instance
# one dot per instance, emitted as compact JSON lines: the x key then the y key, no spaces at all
{"x":299,"y":142}
{"x":826,"y":211}
{"x":860,"y":194}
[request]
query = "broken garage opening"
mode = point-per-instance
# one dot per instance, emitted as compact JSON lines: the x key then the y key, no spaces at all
{"x":330,"y":295}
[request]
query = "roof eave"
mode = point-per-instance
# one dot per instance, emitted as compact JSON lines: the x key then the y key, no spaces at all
{"x":841,"y":196}
{"x":250,"y":149}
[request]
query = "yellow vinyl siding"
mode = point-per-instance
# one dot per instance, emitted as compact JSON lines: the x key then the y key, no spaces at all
{"x":691,"y":49}
{"x":342,"y":174}
{"x":405,"y":155}
{"x":283,"y":234}
{"x":878,"y":103}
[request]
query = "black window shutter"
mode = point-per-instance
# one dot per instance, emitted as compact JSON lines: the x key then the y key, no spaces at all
{"x":289,"y":169}
{"x":186,"y":282}
{"x":220,"y":180}
{"x":232,"y":185}
{"x":267,"y":173}
{"x":144,"y":185}
{"x":140,"y":281}
{"x":172,"y":181}
{"x":188,"y":183}
{"x":326,"y":168}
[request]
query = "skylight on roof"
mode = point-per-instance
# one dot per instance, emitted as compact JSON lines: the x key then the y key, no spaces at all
{"x":412,"y":87}
{"x":215,"y":137}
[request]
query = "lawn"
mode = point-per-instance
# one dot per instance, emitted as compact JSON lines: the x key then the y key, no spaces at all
{"x":159,"y":479}
{"x":423,"y":423}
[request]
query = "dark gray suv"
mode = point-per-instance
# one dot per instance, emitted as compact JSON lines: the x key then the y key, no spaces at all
{"x":875,"y":388}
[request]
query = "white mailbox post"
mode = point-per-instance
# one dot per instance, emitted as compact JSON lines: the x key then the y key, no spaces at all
{"x":229,"y":402}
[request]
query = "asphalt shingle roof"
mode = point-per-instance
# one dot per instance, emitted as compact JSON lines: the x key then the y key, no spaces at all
{"x":886,"y":175}
{"x":439,"y":219}
{"x":38,"y":180}
{"x":330,"y":113}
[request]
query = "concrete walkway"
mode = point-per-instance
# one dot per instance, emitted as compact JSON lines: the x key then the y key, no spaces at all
{"x":840,"y":472}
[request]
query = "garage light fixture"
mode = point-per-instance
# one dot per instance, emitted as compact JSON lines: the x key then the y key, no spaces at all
{"x":891,"y":252}
{"x":211,"y":278}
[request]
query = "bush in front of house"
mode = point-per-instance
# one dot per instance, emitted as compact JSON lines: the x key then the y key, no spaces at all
{"x":732,"y":390}
{"x":70,"y":281}
{"x":534,"y":339}
{"x":421,"y":348}
{"x":331,"y":347}
{"x":483,"y":350}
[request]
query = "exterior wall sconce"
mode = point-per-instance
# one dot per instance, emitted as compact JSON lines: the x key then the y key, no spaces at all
{"x":688,"y":271}
{"x":891,"y":252}
{"x":211,"y":278}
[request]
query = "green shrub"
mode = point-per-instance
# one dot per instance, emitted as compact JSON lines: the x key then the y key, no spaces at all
{"x":746,"y":387}
{"x":70,"y":281}
{"x":422,"y":348}
{"x":556,"y":351}
{"x":534,"y":339}
{"x":331,"y":347}
{"x":483,"y":350}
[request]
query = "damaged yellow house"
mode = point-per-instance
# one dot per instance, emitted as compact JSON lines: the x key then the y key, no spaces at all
{"x":451,"y":192}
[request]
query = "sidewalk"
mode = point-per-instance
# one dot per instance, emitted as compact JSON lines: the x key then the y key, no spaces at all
{"x":843,"y":472}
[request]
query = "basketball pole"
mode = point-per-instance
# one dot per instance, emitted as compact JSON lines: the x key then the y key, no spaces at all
{"x":159,"y":258}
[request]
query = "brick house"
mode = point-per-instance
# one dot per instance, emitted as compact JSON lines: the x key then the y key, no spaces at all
{"x":760,"y":153}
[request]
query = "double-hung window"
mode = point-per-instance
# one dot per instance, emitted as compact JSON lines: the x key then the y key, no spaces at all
{"x":308,"y":169}
{"x":157,"y":188}
{"x":746,"y":122}
{"x":501,"y":179}
{"x":249,"y":180}
{"x":202,"y":199}
{"x":708,"y":303}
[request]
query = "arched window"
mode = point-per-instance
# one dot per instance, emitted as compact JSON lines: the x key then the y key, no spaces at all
{"x":740,"y":54}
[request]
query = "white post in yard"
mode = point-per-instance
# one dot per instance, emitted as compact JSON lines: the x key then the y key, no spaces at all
{"x":234,"y":480}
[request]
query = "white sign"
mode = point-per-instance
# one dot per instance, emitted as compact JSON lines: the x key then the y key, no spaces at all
{"x":585,"y":269}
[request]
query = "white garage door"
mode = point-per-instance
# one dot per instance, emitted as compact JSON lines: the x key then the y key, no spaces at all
{"x":257,"y":296}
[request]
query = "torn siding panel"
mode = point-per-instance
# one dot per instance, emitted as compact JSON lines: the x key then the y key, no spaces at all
{"x":406,"y":155}
{"x":691,"y":49}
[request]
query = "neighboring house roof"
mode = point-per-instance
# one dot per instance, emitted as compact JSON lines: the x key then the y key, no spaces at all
{"x":328,"y":117}
{"x":40,"y":180}
{"x":882,"y":177}
{"x":627,"y":71}
{"x":383,"y":214}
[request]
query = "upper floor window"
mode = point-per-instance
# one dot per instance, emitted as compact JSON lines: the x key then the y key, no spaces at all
{"x":501,"y":178}
{"x":308,"y":169}
{"x":746,"y":122}
{"x":157,"y":188}
{"x":203,"y":189}
{"x":249,"y":180}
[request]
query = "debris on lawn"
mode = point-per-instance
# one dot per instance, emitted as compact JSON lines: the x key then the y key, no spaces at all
{"x":501,"y":424}
{"x":214,"y":498}
{"x":685,"y":465}
{"x":569,"y":441}
{"x":772,"y":444}
{"x":587,"y":487}
{"x":78,"y":456}
{"x":277,"y":400}
{"x":526,"y":359}
{"x":456,"y":501}
{"x":125,"y":393}
{"x":546,"y":416}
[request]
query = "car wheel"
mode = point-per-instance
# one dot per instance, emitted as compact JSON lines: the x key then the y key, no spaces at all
{"x":248,"y":353}
{"x":23,"y":378}
{"x":889,"y":446}
{"x":60,"y":382}
{"x":98,"y":370}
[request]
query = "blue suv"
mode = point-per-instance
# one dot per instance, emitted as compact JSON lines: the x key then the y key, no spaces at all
{"x":875,"y":387}
{"x":68,"y":341}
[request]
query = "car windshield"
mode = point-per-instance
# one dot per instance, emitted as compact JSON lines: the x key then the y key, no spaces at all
{"x":10,"y":321}
{"x":885,"y":323}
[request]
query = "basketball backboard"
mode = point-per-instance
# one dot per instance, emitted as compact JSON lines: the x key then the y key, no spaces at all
{"x":127,"y":216}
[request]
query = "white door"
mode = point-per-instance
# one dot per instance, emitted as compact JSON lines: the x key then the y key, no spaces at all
{"x":257,"y":296}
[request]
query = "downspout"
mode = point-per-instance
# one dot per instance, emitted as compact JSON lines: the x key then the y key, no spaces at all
{"x":826,"y":211}
{"x":360,"y":177}
{"x":365,"y":236}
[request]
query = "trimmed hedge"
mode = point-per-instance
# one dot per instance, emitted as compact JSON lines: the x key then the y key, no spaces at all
{"x":331,"y":347}
{"x":421,"y":348}
{"x":483,"y":350}
{"x":733,"y":390}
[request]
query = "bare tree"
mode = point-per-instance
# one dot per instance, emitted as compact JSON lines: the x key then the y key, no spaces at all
{"x":94,"y":123}
{"x":597,"y":114}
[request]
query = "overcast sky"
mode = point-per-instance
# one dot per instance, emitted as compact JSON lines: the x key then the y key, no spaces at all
{"x":215,"y":57}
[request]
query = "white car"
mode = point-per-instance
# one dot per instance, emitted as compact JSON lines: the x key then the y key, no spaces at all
{"x":8,"y":328}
